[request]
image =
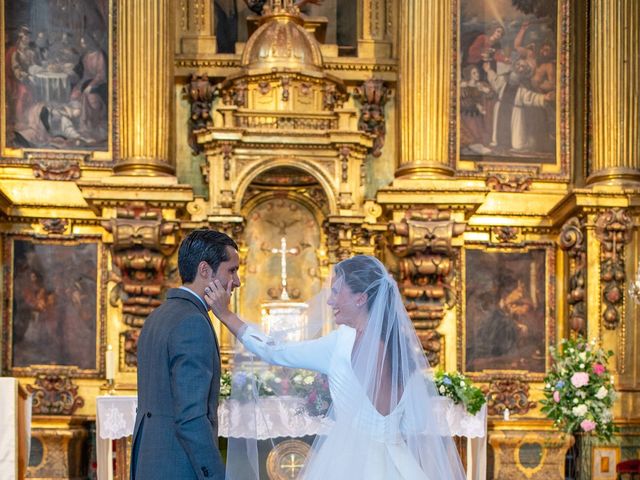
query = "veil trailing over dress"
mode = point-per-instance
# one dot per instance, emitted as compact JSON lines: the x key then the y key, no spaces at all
{"x":371,"y":401}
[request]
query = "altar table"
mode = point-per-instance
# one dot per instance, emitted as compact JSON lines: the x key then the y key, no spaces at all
{"x":116,"y":416}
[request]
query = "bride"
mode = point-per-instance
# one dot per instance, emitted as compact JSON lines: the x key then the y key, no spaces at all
{"x":382,"y":402}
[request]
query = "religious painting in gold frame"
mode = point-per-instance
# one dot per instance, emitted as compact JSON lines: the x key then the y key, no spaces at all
{"x":57,"y":97}
{"x":506,"y":319}
{"x":512,"y":88}
{"x":54,"y":312}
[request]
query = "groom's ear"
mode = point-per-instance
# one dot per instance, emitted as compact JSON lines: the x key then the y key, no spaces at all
{"x":204,"y":270}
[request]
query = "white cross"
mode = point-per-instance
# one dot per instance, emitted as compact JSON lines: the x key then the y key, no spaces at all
{"x":283,"y":264}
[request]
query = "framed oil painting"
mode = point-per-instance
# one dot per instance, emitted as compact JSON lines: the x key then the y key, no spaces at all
{"x":511,"y":81}
{"x":55,"y":305}
{"x":507,"y":319}
{"x":56,"y":81}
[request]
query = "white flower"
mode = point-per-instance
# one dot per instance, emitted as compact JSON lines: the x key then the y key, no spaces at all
{"x":441,"y":389}
{"x":583,"y":356}
{"x":575,"y":400}
{"x":582,"y":365}
{"x":308,"y":379}
{"x":601,"y":393}
{"x":580,"y":410}
{"x":548,"y":386}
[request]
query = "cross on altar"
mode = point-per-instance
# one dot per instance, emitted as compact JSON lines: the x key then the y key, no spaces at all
{"x":294,"y":466}
{"x":283,"y":251}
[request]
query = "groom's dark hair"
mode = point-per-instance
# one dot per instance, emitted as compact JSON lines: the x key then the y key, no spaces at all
{"x":202,"y":245}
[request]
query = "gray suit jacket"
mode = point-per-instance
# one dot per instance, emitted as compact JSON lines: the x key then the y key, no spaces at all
{"x":176,"y":431}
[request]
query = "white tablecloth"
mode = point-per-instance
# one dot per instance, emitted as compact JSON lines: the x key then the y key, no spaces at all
{"x":279,"y":417}
{"x":115,"y":419}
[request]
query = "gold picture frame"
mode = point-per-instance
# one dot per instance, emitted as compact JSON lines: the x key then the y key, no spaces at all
{"x":512,"y":298}
{"x":57,"y":98}
{"x":479,"y":147}
{"x":54,"y":315}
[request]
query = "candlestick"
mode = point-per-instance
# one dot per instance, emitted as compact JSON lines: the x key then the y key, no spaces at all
{"x":110,"y":363}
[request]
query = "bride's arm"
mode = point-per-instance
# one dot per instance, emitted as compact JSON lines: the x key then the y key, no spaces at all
{"x":311,"y":354}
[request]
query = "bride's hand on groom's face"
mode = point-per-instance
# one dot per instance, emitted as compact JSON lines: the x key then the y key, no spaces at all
{"x":217,"y":297}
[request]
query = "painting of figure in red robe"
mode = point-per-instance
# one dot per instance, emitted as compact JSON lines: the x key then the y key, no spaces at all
{"x":56,"y":73}
{"x":54,"y":307}
{"x":507,"y":80}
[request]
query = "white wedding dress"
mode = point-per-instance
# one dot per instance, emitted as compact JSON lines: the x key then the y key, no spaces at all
{"x":362,"y":443}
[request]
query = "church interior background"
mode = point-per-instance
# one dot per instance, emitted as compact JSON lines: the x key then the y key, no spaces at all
{"x":486,"y":150}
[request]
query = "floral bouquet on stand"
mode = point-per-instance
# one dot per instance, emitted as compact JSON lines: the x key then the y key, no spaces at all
{"x":459,"y":389}
{"x":247,"y":385}
{"x":315,"y":388}
{"x":579,"y":390}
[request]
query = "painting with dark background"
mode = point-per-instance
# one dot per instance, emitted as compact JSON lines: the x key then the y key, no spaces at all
{"x":54,"y":314}
{"x":341,"y":29}
{"x":56,"y":74}
{"x":507,"y":80}
{"x":505,"y":310}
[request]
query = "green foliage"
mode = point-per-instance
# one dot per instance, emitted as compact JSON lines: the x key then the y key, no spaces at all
{"x":248,"y":385}
{"x":460,"y":389}
{"x":579,"y":390}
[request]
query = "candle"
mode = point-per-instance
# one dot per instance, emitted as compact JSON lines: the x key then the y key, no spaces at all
{"x":506,"y":414}
{"x":110,"y":363}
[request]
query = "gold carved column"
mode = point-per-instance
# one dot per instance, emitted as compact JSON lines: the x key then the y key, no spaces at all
{"x":145,"y":85}
{"x":615,"y":60}
{"x":424,"y":87}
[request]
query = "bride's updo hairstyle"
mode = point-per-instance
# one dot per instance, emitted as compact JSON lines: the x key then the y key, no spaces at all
{"x":362,"y":274}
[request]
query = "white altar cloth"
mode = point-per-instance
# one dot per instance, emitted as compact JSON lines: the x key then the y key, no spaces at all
{"x":279,"y":417}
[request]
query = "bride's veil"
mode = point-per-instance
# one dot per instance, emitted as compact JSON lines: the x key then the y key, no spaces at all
{"x":383,"y":422}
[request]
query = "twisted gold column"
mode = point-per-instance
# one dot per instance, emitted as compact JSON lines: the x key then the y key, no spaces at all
{"x":615,"y":60}
{"x":425,"y":56}
{"x":145,"y":76}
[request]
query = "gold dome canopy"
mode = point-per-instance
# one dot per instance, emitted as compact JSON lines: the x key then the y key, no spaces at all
{"x":282,"y":43}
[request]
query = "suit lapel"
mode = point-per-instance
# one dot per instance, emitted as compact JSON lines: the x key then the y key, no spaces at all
{"x":191,"y":297}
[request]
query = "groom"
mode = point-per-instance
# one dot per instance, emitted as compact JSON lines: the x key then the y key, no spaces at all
{"x":176,"y":430}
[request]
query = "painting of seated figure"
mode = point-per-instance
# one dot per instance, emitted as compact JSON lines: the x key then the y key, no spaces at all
{"x":506,"y":310}
{"x":56,"y":75}
{"x":54,"y":315}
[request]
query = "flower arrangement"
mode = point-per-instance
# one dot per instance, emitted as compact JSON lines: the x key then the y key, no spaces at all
{"x":459,"y":389}
{"x":579,"y":390}
{"x":313,"y":387}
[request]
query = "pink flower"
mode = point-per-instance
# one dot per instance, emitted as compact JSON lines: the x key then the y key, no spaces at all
{"x":598,"y":368}
{"x":587,"y":425}
{"x":556,"y":396}
{"x":580,"y":379}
